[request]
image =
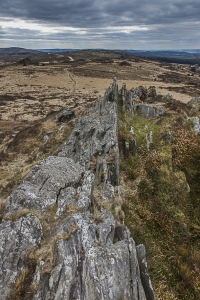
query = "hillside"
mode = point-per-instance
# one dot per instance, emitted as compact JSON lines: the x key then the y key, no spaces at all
{"x":17,"y":51}
{"x":160,"y":162}
{"x":158,"y":144}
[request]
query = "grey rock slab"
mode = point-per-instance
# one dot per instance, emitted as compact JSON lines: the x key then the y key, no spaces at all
{"x":15,"y":239}
{"x":44,"y":183}
{"x":145,"y":278}
{"x":196,"y":123}
{"x":148,"y":111}
{"x":109,"y":271}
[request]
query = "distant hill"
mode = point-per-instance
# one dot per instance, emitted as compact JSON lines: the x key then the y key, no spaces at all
{"x":17,"y":51}
{"x":167,"y":53}
{"x":168,"y":56}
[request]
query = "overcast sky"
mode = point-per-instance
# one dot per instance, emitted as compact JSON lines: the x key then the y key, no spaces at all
{"x":110,"y":24}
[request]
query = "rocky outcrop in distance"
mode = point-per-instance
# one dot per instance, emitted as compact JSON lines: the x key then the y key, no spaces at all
{"x":133,"y":102}
{"x":62,"y":234}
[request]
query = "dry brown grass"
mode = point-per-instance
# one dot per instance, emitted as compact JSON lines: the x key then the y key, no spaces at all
{"x":20,"y":286}
{"x":46,"y":251}
{"x":114,"y":205}
{"x":23,"y":285}
{"x":27,"y":148}
{"x":2,"y":207}
{"x":22,"y":213}
{"x":184,"y":148}
{"x":164,"y":293}
{"x":9,"y":217}
{"x":73,"y":208}
{"x":161,"y":210}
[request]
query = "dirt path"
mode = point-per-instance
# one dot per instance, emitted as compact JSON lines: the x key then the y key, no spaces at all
{"x":74,"y":85}
{"x":71,"y":58}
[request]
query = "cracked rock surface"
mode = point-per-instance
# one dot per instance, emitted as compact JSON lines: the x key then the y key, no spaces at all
{"x":92,"y":255}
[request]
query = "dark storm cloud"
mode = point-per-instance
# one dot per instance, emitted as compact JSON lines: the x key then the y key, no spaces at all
{"x":125,"y":20}
{"x":90,"y":13}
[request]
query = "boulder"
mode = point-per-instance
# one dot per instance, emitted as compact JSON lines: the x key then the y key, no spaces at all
{"x":65,"y":115}
{"x":148,"y":111}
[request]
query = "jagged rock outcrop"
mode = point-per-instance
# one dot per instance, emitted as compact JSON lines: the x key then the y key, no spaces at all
{"x":141,"y":93}
{"x":127,"y":99}
{"x":148,"y":111}
{"x":87,"y":253}
{"x":133,"y":102}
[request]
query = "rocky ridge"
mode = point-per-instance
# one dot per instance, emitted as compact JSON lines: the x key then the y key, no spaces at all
{"x":86,"y":252}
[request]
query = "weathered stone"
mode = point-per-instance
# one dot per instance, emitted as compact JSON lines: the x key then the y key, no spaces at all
{"x":167,"y":97}
{"x":65,"y":115}
{"x":120,"y":233}
{"x":139,"y":92}
{"x":132,"y":102}
{"x":94,"y":256}
{"x":151,"y":92}
{"x":44,"y":184}
{"x":149,"y":139}
{"x":132,"y":131}
{"x":148,"y":111}
{"x":15,"y":238}
{"x":195,"y":121}
{"x":141,"y":254}
{"x":46,"y":138}
{"x":91,"y":271}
